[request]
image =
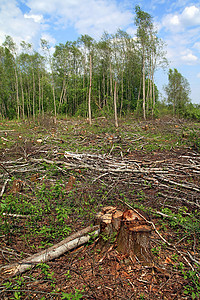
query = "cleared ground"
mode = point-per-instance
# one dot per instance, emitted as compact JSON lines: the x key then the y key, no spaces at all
{"x":54,"y":178}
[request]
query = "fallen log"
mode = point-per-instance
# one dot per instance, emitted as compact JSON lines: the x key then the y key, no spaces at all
{"x":71,"y":242}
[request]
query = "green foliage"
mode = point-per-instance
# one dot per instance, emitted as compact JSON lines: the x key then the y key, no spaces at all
{"x":109,"y":238}
{"x":191,"y":136}
{"x":156,"y":250}
{"x":192,"y":111}
{"x":45,"y":271}
{"x":191,"y":223}
{"x":193,"y":288}
{"x":33,"y":84}
{"x":194,"y":139}
{"x":70,"y":296}
{"x":178,"y":90}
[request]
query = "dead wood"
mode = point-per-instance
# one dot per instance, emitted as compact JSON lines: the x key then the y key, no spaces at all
{"x":134,"y":237}
{"x":162,"y":238}
{"x":4,"y":187}
{"x":53,"y":252}
{"x":131,"y":230}
{"x":16,"y":215}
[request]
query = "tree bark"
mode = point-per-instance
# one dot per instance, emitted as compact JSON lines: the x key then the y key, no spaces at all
{"x":17,"y":93}
{"x":144,"y":100}
{"x":131,"y":230}
{"x":90,"y":87}
{"x":115,"y":104}
{"x":134,"y":237}
{"x":55,"y":251}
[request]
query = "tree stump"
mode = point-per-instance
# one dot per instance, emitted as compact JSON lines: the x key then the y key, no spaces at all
{"x":110,"y":221}
{"x":134,"y":237}
{"x":132,"y":232}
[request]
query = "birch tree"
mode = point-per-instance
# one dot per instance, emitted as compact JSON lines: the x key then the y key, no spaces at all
{"x":46,"y":48}
{"x":144,"y":24}
{"x":9,"y":43}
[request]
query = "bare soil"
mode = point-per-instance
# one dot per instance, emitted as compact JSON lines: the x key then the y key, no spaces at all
{"x":151,"y":166}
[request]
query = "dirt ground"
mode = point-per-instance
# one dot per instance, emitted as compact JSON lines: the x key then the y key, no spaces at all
{"x":152,"y":167}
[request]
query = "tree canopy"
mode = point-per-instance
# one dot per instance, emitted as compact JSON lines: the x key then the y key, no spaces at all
{"x":178,"y":91}
{"x":34,"y":83}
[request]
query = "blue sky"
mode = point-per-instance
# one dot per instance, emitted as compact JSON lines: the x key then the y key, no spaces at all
{"x":58,"y":21}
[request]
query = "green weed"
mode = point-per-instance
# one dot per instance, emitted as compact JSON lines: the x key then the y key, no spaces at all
{"x":70,"y":296}
{"x":193,"y":288}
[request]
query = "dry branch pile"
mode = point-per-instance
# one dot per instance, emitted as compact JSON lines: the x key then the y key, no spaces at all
{"x":165,"y":172}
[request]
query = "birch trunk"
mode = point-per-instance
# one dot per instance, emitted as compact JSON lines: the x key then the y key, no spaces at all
{"x":89,"y":98}
{"x":53,"y":252}
{"x":144,"y":100}
{"x":115,"y":104}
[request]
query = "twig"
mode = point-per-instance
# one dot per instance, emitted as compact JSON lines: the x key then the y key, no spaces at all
{"x":100,"y":177}
{"x":5,"y":170}
{"x":178,"y":184}
{"x":193,"y":259}
{"x":3,"y":187}
{"x":16,"y":215}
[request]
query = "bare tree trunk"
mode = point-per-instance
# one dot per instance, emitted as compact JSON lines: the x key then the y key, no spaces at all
{"x":28,"y":98}
{"x":144,"y":100}
{"x":54,"y":98}
{"x":33,"y":96}
{"x":42,"y":98}
{"x":22,"y":91}
{"x":115,"y":104}
{"x":121,"y":106}
{"x":62,"y":94}
{"x":89,"y":98}
{"x":138,"y":100}
{"x":152,"y":87}
{"x":111,"y":90}
{"x":39,"y":104}
{"x":104,"y":90}
{"x":17,"y":93}
{"x":148,"y":94}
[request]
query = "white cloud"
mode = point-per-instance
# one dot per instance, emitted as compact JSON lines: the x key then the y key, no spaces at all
{"x":91,"y":17}
{"x":171,"y":22}
{"x":197,"y":46}
{"x":36,"y":18}
{"x":198,"y":75}
{"x":178,"y":22}
{"x":87,"y":16}
{"x":15,"y":24}
{"x":48,"y":38}
{"x":190,"y":16}
{"x":188,"y":57}
{"x":179,"y":53}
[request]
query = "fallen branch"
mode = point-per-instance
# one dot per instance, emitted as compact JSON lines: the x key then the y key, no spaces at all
{"x":110,"y":165}
{"x":3,"y":187}
{"x":16,"y":215}
{"x":178,"y":184}
{"x":73,"y":241}
{"x":5,"y":170}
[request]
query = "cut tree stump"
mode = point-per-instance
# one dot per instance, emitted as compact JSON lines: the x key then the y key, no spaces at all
{"x":131,"y":230}
{"x":134,"y":237}
{"x":109,"y":220}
